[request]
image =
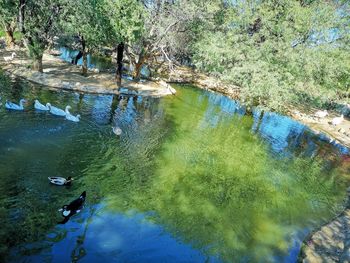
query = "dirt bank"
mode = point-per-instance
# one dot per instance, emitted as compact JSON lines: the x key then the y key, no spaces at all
{"x":331,"y":242}
{"x":61,"y":75}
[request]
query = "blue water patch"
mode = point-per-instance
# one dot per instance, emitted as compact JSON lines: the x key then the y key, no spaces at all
{"x":113,"y":237}
{"x":280,"y":131}
{"x":68,"y":55}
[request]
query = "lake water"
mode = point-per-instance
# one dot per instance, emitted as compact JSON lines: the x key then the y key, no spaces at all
{"x":192,"y":178}
{"x":101,"y":63}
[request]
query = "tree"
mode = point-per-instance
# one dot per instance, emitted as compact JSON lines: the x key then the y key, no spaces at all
{"x":39,"y":22}
{"x":8,"y":17}
{"x":279,"y":52}
{"x":127,"y":19}
{"x":88,"y":25}
{"x":167,"y":27}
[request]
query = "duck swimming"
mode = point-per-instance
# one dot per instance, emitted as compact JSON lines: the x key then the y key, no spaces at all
{"x":71,"y":117}
{"x":39,"y":106}
{"x":12,"y":106}
{"x":73,"y":208}
{"x":56,"y":111}
{"x":60,"y":180}
{"x":117,"y":130}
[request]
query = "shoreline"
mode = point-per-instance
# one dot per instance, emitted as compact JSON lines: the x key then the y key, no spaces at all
{"x":62,"y":75}
{"x":329,"y":242}
{"x":339,"y":134}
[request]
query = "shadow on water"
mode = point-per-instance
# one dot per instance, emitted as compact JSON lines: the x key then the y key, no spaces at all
{"x":191,"y":178}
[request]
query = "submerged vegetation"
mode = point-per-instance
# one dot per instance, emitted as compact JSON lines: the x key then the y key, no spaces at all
{"x":280,"y":53}
{"x":216,"y":186}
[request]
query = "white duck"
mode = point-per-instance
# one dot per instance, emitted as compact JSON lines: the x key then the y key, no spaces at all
{"x":39,"y":106}
{"x":321,"y":114}
{"x":60,"y":180}
{"x":12,"y":106}
{"x":8,"y":59}
{"x":338,"y":120}
{"x":70,"y":117}
{"x":117,"y":130}
{"x":56,"y":111}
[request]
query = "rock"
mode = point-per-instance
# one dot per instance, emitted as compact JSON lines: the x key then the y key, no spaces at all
{"x":296,"y":112}
{"x":345,"y":109}
{"x":66,"y":85}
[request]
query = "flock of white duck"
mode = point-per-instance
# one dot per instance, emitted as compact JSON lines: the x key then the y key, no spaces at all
{"x":48,"y":107}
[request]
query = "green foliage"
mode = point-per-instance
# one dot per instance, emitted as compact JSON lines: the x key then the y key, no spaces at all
{"x":42,"y":23}
{"x":279,"y":52}
{"x":8,"y":11}
{"x":87,"y":20}
{"x":127,"y":18}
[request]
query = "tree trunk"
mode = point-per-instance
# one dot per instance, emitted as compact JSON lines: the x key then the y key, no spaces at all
{"x":38,"y":63}
{"x":10,"y":40}
{"x":21,"y":26}
{"x":84,"y":51}
{"x":118,"y":75}
{"x":137,"y":70}
{"x":77,"y":57}
{"x":138,"y":65}
{"x":85,"y":63}
{"x":21,"y":16}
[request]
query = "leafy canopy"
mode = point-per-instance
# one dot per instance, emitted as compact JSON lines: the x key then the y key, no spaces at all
{"x":279,"y":52}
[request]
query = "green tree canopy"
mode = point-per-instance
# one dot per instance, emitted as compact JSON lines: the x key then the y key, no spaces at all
{"x":8,"y":19}
{"x":41,"y":24}
{"x":87,"y":27}
{"x":279,"y":51}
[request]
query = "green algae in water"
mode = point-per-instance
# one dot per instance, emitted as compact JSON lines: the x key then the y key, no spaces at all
{"x":201,"y":173}
{"x":217,"y":187}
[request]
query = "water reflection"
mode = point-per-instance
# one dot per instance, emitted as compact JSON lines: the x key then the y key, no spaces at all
{"x":282,"y":133}
{"x":102,"y":108}
{"x":191,"y":178}
{"x":113,"y":237}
